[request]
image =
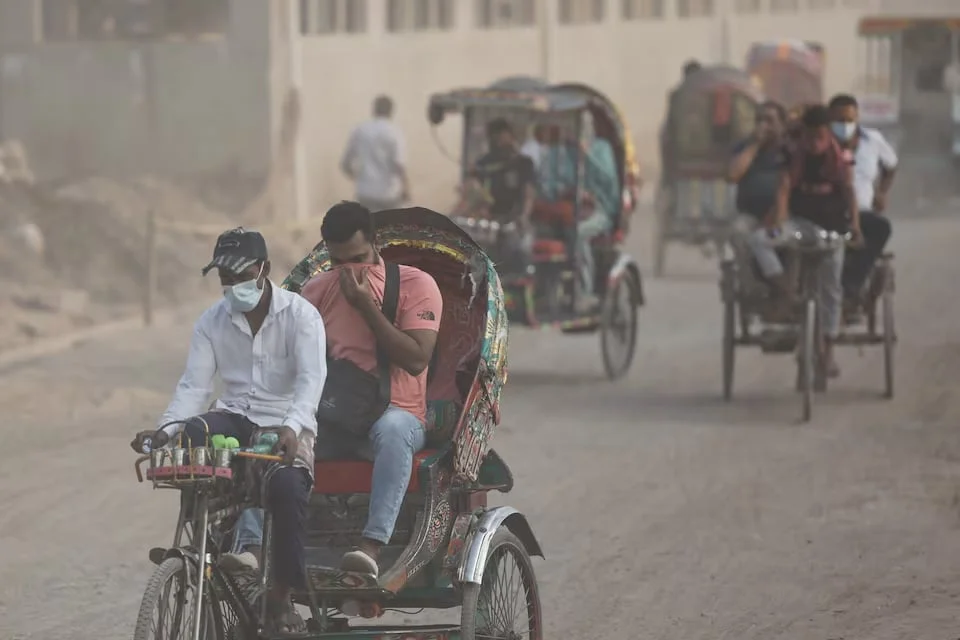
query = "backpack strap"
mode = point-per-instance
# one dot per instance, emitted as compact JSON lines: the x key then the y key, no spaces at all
{"x":391,"y":298}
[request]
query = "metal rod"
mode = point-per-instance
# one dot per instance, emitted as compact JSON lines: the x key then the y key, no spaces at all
{"x":201,"y":506}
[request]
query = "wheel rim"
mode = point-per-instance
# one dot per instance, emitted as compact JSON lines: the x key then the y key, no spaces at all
{"x":507,"y":606}
{"x":619,"y":328}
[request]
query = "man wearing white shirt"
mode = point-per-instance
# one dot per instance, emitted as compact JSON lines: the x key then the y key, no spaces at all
{"x":875,"y":165}
{"x":268,"y":346}
{"x":375,"y":159}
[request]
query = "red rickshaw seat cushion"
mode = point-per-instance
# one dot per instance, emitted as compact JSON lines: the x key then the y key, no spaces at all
{"x":545,"y":248}
{"x":356,"y":476}
{"x":553,"y":212}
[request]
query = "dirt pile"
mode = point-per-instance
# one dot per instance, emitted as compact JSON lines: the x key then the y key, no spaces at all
{"x":75,"y":254}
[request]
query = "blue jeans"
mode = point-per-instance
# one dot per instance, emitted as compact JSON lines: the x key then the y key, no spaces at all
{"x":391,"y":444}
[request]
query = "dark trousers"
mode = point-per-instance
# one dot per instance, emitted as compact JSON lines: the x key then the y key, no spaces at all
{"x":876,"y":232}
{"x":287,"y":496}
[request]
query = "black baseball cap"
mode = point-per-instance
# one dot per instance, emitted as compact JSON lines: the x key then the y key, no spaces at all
{"x":237,"y":250}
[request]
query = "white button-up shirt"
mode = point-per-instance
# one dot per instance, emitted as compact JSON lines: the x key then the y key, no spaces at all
{"x":375,"y":155}
{"x":873,"y":152}
{"x":273,"y":378}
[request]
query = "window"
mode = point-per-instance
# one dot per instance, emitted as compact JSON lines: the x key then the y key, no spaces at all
{"x":747,"y":6}
{"x":694,"y":8}
{"x":505,"y":13}
{"x":581,"y":11}
{"x":419,"y":15}
{"x":783,"y":6}
{"x":642,"y":9}
{"x":132,"y":19}
{"x":323,"y":17}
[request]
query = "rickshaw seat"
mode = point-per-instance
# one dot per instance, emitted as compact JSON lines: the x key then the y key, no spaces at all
{"x":553,"y":212}
{"x":356,"y":476}
{"x":546,"y":249}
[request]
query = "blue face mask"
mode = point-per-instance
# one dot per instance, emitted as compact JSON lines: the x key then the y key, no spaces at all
{"x":844,"y":131}
{"x":244,"y":297}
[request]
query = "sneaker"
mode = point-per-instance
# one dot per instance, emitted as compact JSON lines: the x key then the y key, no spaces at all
{"x":357,"y":561}
{"x":239,"y":562}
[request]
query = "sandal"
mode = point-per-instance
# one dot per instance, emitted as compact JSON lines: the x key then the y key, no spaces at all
{"x":283,"y":619}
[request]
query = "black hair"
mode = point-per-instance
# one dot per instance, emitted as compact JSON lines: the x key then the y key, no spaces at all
{"x":497,"y":126}
{"x":344,"y":220}
{"x":383,"y":106}
{"x":816,"y":116}
{"x":842,"y":101}
{"x":776,"y":106}
{"x":691,"y":66}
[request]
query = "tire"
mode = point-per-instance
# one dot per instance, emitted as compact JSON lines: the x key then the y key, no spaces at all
{"x":169,"y":575}
{"x":729,"y":347}
{"x":504,"y":546}
{"x":808,"y":363}
{"x":618,"y":351}
{"x":889,"y":339}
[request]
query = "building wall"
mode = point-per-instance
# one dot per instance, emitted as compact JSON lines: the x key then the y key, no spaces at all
{"x":82,"y":107}
{"x":635,"y":62}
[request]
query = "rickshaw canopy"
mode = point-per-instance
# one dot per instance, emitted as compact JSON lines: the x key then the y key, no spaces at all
{"x":788,"y":71}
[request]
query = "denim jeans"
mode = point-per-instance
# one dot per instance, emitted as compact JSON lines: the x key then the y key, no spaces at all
{"x":391,"y":444}
{"x":597,"y":224}
{"x":831,"y":291}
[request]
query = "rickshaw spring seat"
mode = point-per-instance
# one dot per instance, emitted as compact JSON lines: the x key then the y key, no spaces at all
{"x":356,"y":476}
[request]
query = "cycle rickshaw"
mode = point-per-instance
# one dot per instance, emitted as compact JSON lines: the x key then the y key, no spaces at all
{"x":449,"y":549}
{"x":803,"y":336}
{"x":789,"y":71}
{"x":540,"y":285}
{"x":712,"y":110}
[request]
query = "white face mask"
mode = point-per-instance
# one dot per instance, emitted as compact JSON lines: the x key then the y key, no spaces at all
{"x":244,"y":296}
{"x":844,"y":131}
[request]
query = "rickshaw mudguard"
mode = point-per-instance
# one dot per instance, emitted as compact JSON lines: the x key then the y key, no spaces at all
{"x":625,"y":264}
{"x":475,"y":559}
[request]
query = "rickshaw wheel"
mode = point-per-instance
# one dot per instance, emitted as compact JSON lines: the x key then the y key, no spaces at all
{"x":889,"y":339}
{"x":167,"y":608}
{"x":618,"y":326}
{"x":729,"y":347}
{"x":807,"y":365}
{"x":488,"y":611}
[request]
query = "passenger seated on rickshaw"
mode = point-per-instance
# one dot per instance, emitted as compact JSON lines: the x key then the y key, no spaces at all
{"x":349,"y":298}
{"x":818,"y":192}
{"x":602,"y":194}
{"x":757,"y":167}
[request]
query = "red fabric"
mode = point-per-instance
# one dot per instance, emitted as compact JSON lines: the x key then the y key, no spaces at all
{"x":835,"y":168}
{"x":722,"y":108}
{"x":355,"y":476}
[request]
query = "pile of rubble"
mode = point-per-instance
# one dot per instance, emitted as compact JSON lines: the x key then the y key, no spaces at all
{"x":75,"y":254}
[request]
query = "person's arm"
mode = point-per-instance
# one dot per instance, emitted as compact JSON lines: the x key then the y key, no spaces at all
{"x":888,"y":166}
{"x":411,"y":345}
{"x":850,"y":197}
{"x":743,"y":156}
{"x":398,"y":159}
{"x":193,"y":391}
{"x":782,"y":210}
{"x":310,"y":352}
{"x":349,"y":156}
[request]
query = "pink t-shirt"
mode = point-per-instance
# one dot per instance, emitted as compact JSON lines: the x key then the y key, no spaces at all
{"x":420,"y":306}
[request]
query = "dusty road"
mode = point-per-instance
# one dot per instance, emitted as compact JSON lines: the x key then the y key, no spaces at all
{"x":664,"y":513}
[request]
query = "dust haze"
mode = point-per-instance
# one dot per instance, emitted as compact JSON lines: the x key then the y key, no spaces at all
{"x":664,"y":512}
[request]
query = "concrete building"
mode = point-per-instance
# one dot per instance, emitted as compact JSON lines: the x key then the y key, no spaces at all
{"x":189,"y":86}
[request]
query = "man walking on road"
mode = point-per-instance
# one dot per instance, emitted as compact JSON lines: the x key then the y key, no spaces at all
{"x":375,"y":160}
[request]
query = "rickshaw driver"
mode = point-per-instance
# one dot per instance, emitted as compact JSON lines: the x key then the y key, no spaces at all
{"x":268,"y":346}
{"x":817,"y":190}
{"x":349,"y":297}
{"x":875,"y":165}
{"x":508,"y":175}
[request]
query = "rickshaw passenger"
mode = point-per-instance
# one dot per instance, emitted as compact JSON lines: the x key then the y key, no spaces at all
{"x":268,"y":347}
{"x":349,"y":297}
{"x":875,"y":165}
{"x":757,"y":168}
{"x":508,"y":175}
{"x":819,"y":190}
{"x":602,"y":184}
